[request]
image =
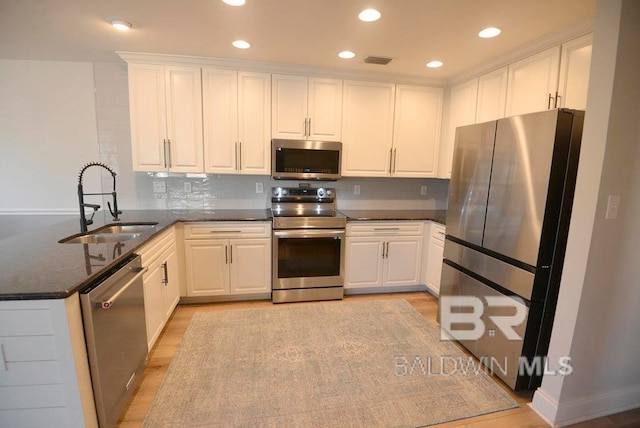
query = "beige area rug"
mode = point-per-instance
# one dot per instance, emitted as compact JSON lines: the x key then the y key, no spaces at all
{"x":326,"y":364}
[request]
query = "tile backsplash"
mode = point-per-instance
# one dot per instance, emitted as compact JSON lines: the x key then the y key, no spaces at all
{"x":220,"y":191}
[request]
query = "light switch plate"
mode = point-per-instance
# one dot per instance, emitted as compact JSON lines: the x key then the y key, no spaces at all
{"x":423,"y":190}
{"x":612,"y":207}
{"x":159,"y":187}
{"x":356,"y":189}
{"x":259,"y":188}
{"x":187,"y":187}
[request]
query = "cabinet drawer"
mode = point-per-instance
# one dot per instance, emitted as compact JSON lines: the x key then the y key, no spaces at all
{"x":437,"y":232}
{"x":152,"y":249}
{"x":385,"y":228}
{"x":215,"y":230}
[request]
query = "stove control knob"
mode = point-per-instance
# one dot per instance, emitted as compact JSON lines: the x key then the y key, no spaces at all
{"x":321,"y":193}
{"x":329,"y":192}
{"x":277,"y":191}
{"x":284,"y":192}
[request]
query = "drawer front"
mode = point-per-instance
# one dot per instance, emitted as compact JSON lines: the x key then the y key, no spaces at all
{"x":154,"y":248}
{"x":216,"y":230}
{"x":437,"y":232}
{"x":385,"y":228}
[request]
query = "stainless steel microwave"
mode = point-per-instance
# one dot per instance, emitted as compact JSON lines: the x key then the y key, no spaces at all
{"x":305,"y":160}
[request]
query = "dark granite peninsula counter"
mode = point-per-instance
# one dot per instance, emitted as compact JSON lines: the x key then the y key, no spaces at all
{"x":36,"y":266}
{"x":438,"y":216}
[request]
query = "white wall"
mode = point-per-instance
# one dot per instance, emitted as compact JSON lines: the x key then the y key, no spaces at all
{"x":47,"y":133}
{"x":597,"y":315}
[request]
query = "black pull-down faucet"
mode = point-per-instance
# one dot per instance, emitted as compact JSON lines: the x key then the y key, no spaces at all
{"x":84,"y":222}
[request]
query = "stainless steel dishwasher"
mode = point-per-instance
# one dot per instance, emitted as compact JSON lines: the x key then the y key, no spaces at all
{"x":116,"y":335}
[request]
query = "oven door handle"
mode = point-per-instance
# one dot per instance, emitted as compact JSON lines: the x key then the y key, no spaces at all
{"x":308,"y":233}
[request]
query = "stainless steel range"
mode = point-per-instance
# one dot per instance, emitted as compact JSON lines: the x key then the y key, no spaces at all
{"x":308,"y":244}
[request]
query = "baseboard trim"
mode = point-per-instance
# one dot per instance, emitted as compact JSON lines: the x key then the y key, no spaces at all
{"x":184,"y":300}
{"x":378,"y":290}
{"x":584,"y":409}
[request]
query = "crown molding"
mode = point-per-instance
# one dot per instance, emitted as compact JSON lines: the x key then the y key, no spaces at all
{"x":524,"y":51}
{"x":275,"y":68}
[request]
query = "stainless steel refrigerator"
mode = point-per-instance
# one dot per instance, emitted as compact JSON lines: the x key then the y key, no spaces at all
{"x":510,"y":199}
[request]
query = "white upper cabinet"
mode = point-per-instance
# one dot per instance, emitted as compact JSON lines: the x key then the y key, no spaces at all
{"x":236,"y":108}
{"x":367,"y":128}
{"x":166,"y":118}
{"x":306,"y":108}
{"x":416,"y":131}
{"x":574,"y":73}
{"x":462,"y":111}
{"x":533,"y":82}
{"x":492,"y":95}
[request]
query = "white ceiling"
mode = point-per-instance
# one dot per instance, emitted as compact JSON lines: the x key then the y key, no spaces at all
{"x":301,"y":32}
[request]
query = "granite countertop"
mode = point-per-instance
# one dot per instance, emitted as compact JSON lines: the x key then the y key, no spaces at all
{"x":438,"y":216}
{"x":35,"y":266}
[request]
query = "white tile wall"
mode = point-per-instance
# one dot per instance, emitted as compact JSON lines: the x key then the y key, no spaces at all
{"x":135,"y":189}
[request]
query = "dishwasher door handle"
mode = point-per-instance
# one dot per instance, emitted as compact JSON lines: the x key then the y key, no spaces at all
{"x":106,"y":304}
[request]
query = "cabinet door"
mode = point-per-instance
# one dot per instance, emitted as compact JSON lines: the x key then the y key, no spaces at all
{"x":184,"y":118}
{"x":492,"y":95}
{"x":363,"y":262}
{"x":416,"y":131}
{"x":462,"y":111}
{"x":154,"y":307}
{"x":147,"y":110}
{"x":325,"y":109}
{"x":403,"y":261}
{"x":533,"y":82}
{"x":207,"y":266}
{"x":367,"y":128}
{"x":434,"y":263}
{"x":289,"y":106}
{"x":574,"y":72}
{"x":172,"y":281}
{"x":254,"y":123}
{"x":250,"y":265}
{"x":220,"y":116}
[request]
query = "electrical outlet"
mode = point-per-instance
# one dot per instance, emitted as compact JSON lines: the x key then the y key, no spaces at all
{"x":423,"y":190}
{"x":356,"y":189}
{"x":187,"y":187}
{"x":159,"y":187}
{"x":259,"y":188}
{"x":612,"y":207}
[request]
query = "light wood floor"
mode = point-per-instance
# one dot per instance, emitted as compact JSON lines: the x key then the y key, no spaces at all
{"x":427,"y":305}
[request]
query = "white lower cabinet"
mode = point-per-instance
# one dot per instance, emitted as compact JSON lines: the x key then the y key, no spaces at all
{"x":161,"y":283}
{"x":435,"y":255}
{"x":383,"y":254}
{"x":227,"y":258}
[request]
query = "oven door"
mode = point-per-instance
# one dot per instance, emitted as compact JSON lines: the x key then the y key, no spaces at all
{"x":304,"y":258}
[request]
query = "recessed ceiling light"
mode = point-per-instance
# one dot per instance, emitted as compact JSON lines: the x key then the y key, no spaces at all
{"x":234,"y":2}
{"x":489,"y":32}
{"x":241,"y":44}
{"x":121,"y":25}
{"x":435,"y":64}
{"x":346,"y":54}
{"x":369,"y":15}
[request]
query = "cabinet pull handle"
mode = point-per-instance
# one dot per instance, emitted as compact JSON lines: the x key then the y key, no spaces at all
{"x":164,"y":152}
{"x":309,"y":131}
{"x":239,"y":155}
{"x":236,"y":147}
{"x":390,"y":159}
{"x":387,"y":249}
{"x":169,"y":152}
{"x":383,"y":249}
{"x":226,"y":257}
{"x":230,"y":253}
{"x":557,"y":99}
{"x":549,"y":101}
{"x":165,"y":280}
{"x":386,"y":228}
{"x":395,"y":157}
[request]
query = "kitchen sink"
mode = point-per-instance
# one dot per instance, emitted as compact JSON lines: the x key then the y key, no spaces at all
{"x":110,"y":233}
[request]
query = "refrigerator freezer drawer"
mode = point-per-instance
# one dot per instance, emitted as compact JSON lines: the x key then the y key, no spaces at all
{"x":512,"y":278}
{"x":499,"y":353}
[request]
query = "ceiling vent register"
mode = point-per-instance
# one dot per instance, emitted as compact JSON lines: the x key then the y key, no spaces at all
{"x":377,"y":60}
